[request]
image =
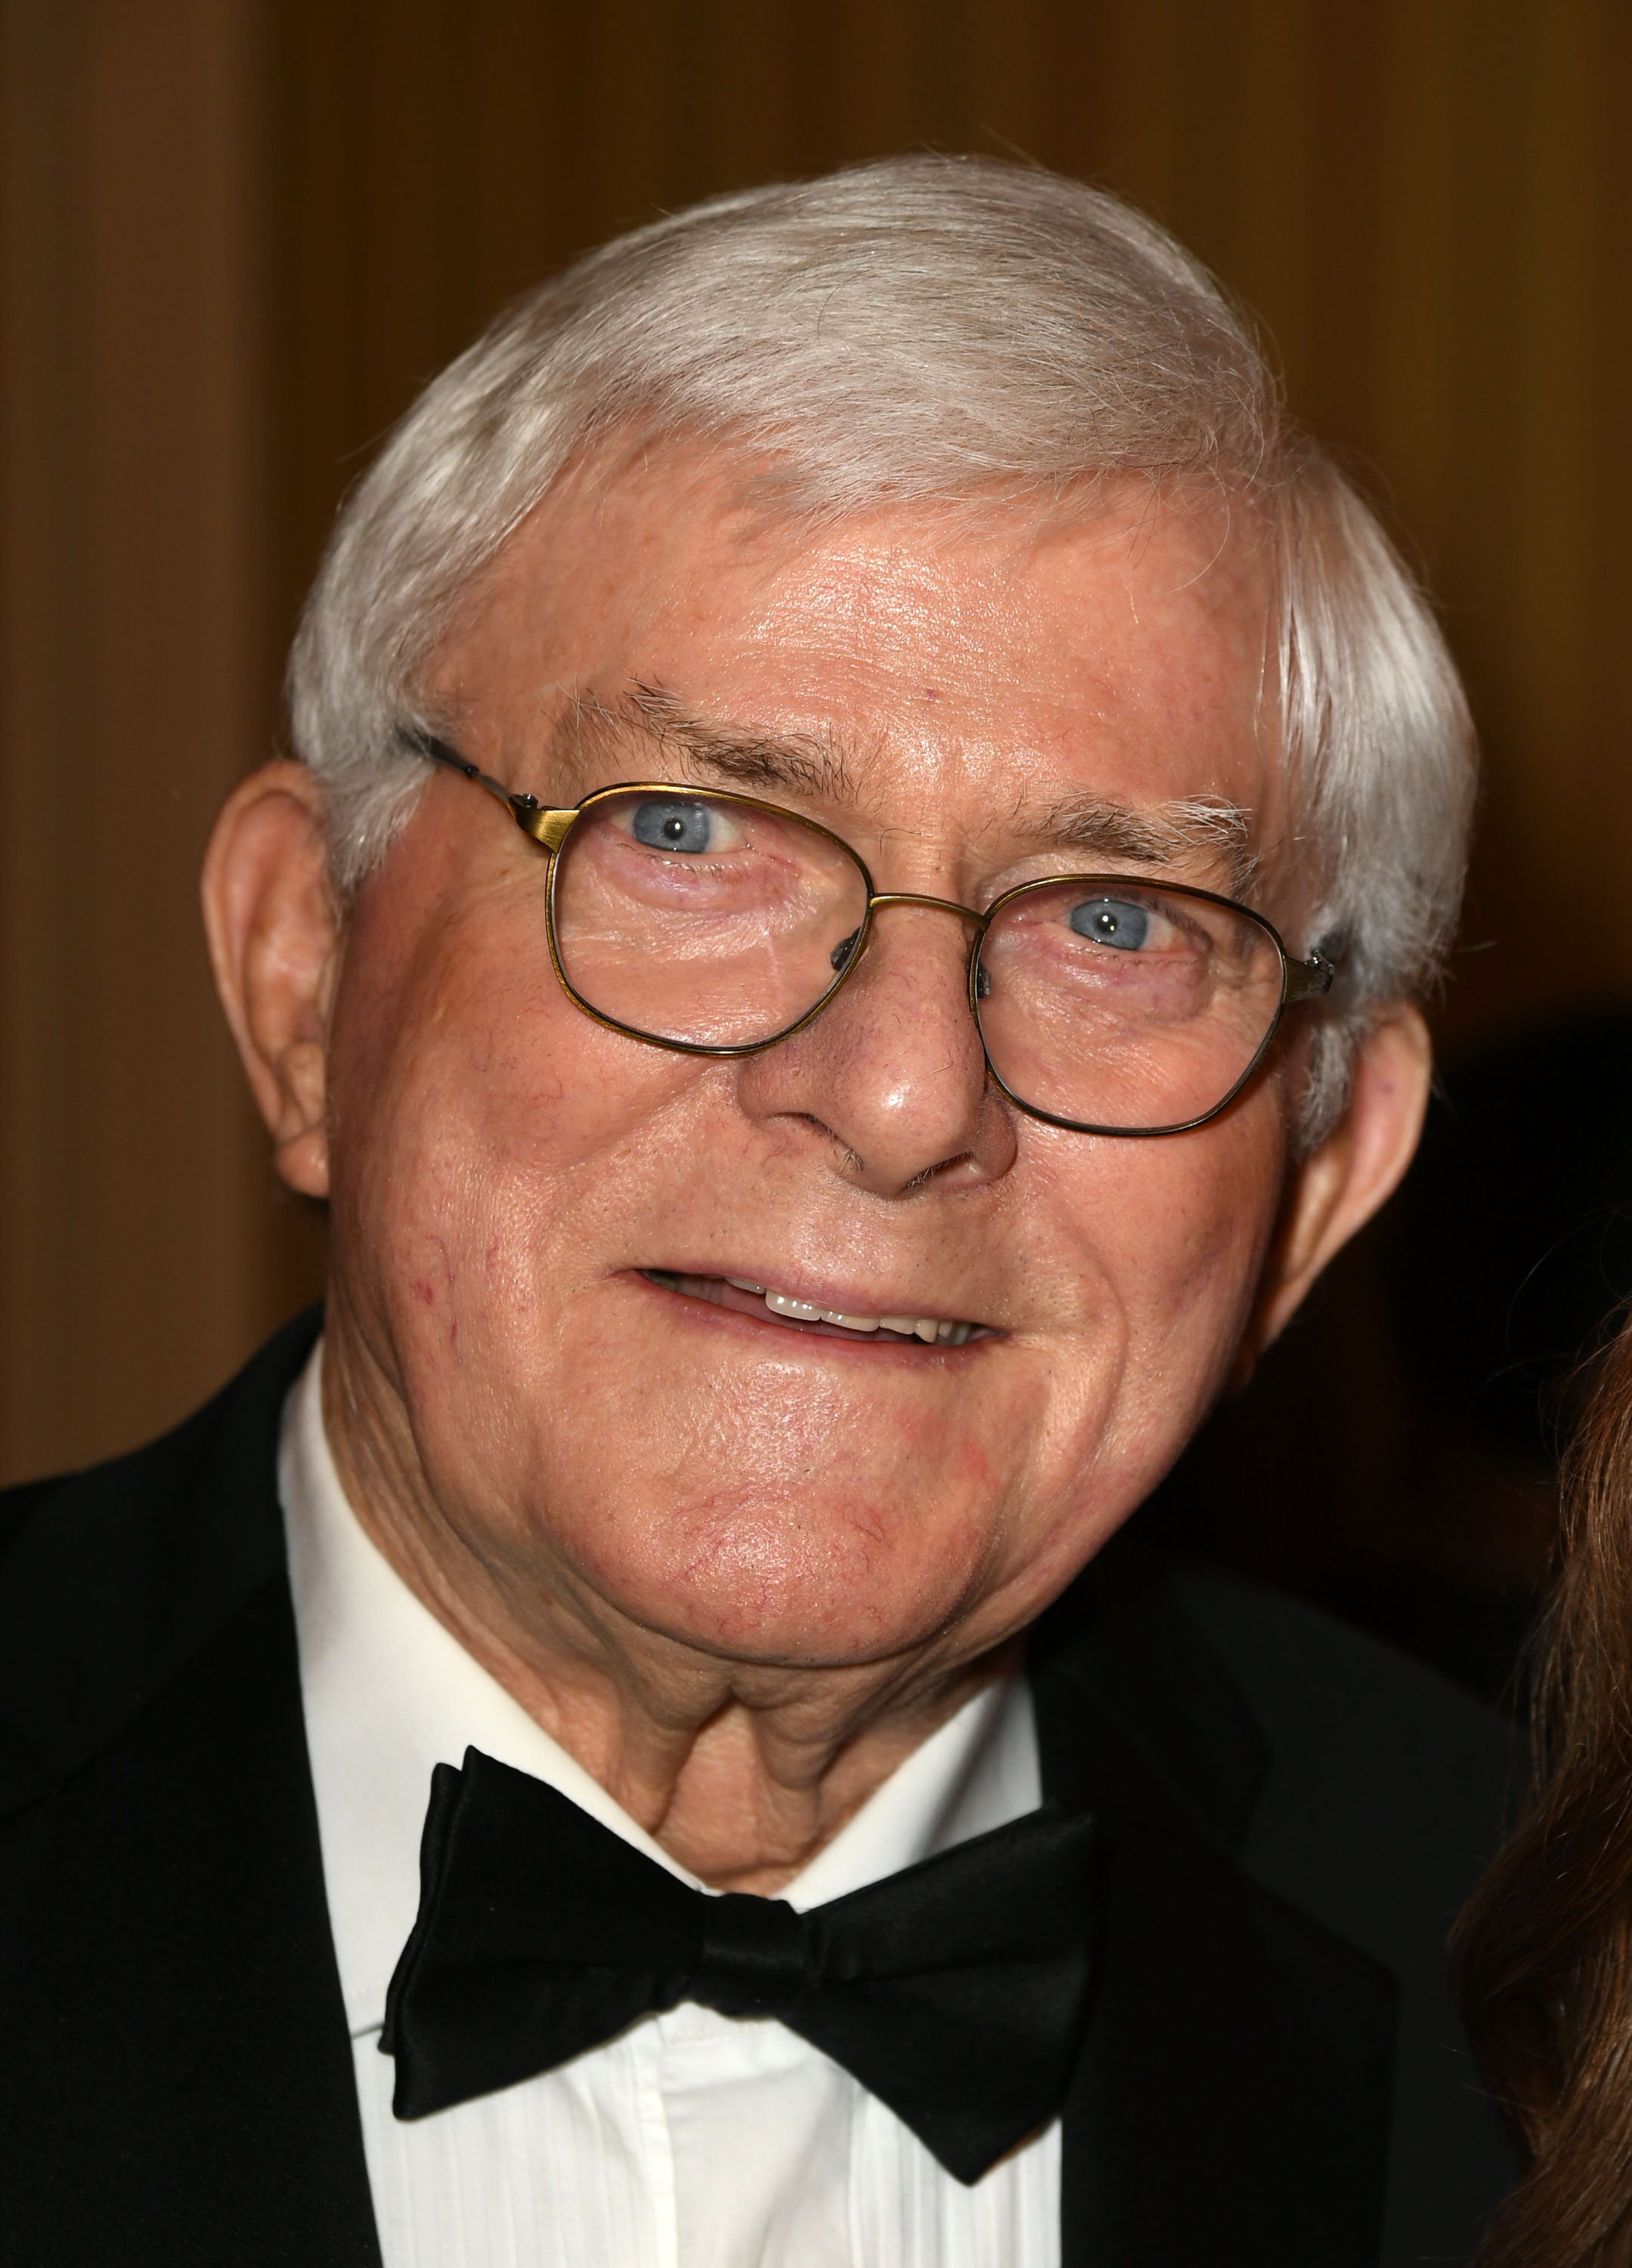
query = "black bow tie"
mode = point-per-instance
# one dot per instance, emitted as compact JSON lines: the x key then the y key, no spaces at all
{"x":955,"y":1991}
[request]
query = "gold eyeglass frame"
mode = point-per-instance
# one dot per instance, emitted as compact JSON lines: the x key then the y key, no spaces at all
{"x":1300,"y":980}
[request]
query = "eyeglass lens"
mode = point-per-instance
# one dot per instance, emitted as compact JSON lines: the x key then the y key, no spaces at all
{"x":686,"y":917}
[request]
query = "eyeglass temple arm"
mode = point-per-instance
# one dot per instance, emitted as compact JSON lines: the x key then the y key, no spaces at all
{"x":1311,"y":979}
{"x":545,"y":826}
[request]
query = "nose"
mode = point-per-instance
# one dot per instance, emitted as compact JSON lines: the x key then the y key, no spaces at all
{"x":892,"y":1071}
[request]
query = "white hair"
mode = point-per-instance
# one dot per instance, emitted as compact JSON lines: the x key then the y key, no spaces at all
{"x":925,"y":330}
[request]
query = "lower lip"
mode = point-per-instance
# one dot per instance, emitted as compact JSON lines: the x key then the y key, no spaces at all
{"x":723,"y":1301}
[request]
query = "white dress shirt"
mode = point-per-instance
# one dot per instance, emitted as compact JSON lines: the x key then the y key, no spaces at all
{"x":693,"y":2139}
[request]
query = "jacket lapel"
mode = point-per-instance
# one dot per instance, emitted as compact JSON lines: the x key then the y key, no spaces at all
{"x":177,"y":2083}
{"x":1232,"y":2098}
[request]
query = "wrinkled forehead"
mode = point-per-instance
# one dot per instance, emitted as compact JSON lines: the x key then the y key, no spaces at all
{"x":1114,"y":645}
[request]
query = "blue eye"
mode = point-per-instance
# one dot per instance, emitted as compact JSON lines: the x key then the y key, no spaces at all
{"x":665,"y":823}
{"x":1111,"y":921}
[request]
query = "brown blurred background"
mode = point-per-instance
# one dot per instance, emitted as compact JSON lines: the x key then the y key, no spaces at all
{"x":239,"y":234}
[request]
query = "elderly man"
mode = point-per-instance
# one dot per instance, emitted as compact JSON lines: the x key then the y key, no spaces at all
{"x":839,"y":949}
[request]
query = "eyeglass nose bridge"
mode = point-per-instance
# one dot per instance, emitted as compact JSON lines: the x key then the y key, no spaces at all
{"x":936,"y":905}
{"x":979,"y":923}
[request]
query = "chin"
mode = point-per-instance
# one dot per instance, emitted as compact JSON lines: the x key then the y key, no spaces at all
{"x":815,"y":1585}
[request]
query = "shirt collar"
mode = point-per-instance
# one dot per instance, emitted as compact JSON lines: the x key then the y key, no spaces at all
{"x":388,"y":1692}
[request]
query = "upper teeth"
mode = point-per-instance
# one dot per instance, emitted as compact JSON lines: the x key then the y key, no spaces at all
{"x":931,"y":1328}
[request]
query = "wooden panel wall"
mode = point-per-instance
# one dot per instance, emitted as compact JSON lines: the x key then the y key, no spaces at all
{"x":239,"y":234}
{"x":137,"y":1230}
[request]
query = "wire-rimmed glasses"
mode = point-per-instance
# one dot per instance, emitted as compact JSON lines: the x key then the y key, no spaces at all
{"x":714,"y":923}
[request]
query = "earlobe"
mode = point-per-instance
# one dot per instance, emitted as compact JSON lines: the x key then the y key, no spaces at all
{"x":274,"y":935}
{"x":1335,"y":1190}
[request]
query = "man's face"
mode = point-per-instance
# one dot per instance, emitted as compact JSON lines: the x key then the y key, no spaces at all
{"x":508,"y":1178}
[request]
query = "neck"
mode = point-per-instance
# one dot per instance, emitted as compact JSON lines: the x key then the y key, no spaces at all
{"x":742,"y":1770}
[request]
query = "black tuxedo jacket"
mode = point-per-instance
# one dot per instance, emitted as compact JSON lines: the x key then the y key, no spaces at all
{"x":1289,"y":1817}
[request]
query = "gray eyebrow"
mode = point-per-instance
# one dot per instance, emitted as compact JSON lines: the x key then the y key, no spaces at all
{"x":1177,"y":832}
{"x":804,"y":764}
{"x":1159,"y":833}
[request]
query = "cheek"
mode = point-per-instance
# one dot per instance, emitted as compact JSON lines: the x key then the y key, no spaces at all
{"x":471,"y":1105}
{"x":1170,"y":1238}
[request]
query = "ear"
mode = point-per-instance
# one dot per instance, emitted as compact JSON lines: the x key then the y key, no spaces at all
{"x":273,"y":933}
{"x":1337,"y":1188}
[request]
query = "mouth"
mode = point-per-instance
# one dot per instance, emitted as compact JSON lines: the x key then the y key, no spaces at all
{"x":744,"y":1297}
